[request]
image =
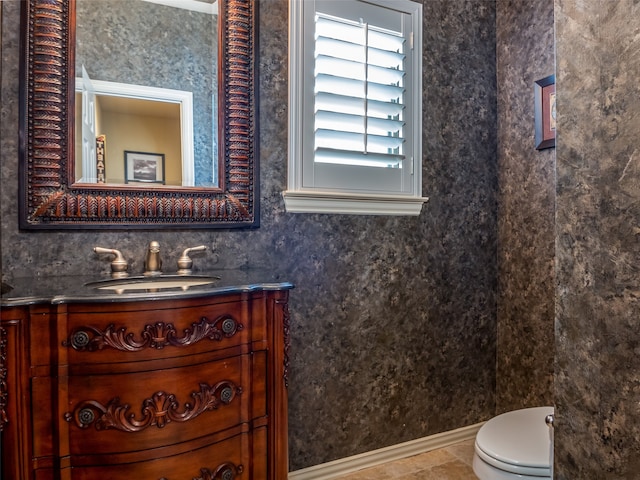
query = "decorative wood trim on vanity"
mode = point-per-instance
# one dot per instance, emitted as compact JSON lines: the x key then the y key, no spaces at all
{"x":286,"y":319}
{"x":4,"y":371}
{"x":281,"y":341}
{"x":157,"y":335}
{"x":159,"y":409}
{"x":225,"y":471}
{"x":17,"y":426}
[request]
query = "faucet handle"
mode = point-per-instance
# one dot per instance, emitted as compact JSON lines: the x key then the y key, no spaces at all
{"x":119,"y":265}
{"x":185,"y":263}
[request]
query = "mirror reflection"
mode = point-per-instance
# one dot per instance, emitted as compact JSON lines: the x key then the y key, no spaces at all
{"x":146,"y":84}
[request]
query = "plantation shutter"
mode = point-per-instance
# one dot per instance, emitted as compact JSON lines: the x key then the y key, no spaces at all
{"x":360,"y":99}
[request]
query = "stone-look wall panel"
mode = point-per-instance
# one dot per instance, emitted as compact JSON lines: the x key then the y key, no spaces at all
{"x":597,"y":386}
{"x":393,"y":318}
{"x":525,"y":53}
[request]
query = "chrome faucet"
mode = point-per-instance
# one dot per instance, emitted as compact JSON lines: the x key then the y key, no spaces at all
{"x":153,"y":263}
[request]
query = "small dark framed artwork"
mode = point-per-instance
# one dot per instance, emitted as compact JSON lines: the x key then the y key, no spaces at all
{"x":143,"y":167}
{"x":545,"y":112}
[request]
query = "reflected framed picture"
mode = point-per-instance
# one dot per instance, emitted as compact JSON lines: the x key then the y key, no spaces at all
{"x":101,"y":160}
{"x":143,"y":167}
{"x":545,"y":112}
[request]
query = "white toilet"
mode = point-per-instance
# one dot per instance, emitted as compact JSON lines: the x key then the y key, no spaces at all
{"x":515,"y":445}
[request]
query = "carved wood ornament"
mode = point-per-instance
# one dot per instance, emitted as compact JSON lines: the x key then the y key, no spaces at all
{"x":286,"y":323}
{"x":48,"y":196}
{"x":157,"y":335}
{"x":225,"y":471}
{"x":159,"y":409}
{"x":4,"y":388}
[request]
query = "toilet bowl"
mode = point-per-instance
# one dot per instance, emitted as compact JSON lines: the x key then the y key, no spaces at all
{"x":514,"y":445}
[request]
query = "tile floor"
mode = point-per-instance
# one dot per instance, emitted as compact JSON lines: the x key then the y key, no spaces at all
{"x":450,"y":463}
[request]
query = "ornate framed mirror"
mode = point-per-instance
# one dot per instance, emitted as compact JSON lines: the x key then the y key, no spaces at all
{"x":52,"y":197}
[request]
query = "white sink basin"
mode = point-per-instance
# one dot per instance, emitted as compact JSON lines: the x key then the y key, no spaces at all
{"x":164,"y":282}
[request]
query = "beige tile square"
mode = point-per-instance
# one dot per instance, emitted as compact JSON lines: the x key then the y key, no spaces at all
{"x":455,"y":470}
{"x":463,"y":451}
{"x":434,"y":457}
{"x":366,"y":474}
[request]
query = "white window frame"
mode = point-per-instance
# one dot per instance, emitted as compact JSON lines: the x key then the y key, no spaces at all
{"x":304,"y":199}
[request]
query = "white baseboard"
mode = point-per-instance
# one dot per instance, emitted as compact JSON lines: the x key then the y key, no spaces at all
{"x":343,"y":466}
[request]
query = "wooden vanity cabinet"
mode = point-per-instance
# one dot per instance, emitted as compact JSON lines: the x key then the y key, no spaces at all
{"x":181,"y":389}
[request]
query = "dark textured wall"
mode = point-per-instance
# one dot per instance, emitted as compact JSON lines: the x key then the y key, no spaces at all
{"x":526,"y":215}
{"x":597,"y":387}
{"x":393,"y":318}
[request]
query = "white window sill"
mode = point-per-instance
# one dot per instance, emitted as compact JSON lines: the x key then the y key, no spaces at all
{"x":354,"y":204}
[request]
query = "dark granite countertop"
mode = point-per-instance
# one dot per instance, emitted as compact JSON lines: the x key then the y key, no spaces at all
{"x":75,"y":289}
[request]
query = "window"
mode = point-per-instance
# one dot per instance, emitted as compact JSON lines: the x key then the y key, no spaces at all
{"x":355,"y":115}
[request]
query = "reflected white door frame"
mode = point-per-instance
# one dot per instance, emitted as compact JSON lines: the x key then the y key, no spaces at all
{"x":141,"y":92}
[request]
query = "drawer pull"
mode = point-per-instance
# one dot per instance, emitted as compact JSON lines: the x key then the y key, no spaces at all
{"x":157,"y":335}
{"x":80,"y":339}
{"x":159,"y":410}
{"x":226,"y":395}
{"x":229,"y":326}
{"x":226,"y":471}
{"x":86,"y":416}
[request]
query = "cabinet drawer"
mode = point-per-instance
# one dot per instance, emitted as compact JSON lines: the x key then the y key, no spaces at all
{"x":104,"y":414}
{"x":240,"y":457}
{"x":127,"y":335}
